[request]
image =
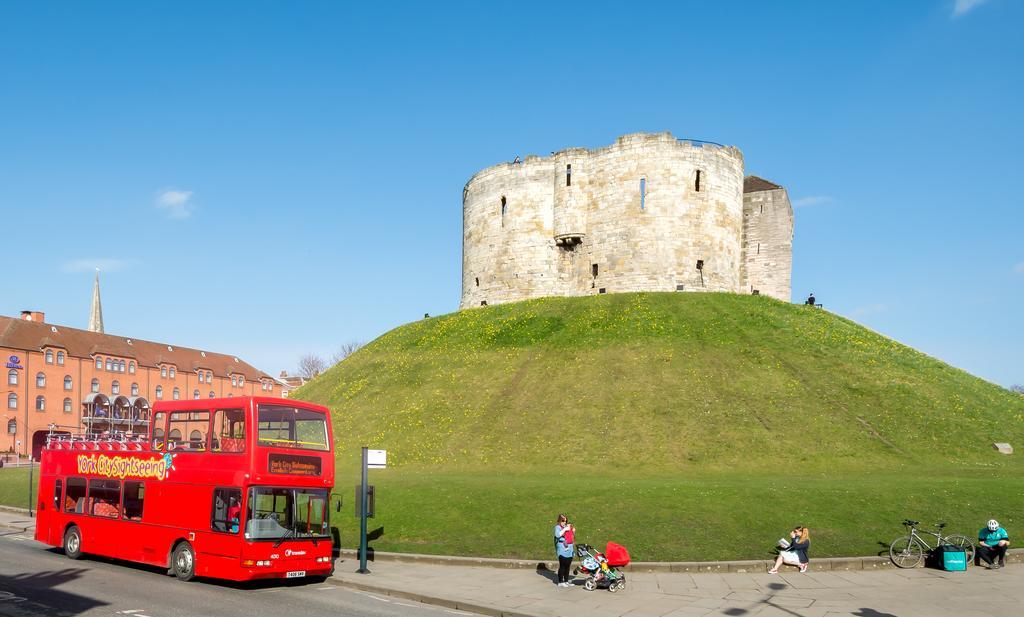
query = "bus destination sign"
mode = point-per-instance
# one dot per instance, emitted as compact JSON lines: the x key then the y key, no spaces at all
{"x":293,"y":465}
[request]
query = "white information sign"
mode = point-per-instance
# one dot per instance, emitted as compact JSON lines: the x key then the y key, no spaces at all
{"x":376,"y":459}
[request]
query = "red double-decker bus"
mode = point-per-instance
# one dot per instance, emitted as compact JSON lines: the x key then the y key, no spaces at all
{"x":234,"y":488}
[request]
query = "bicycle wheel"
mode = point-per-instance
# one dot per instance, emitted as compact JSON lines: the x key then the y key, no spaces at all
{"x":905,"y":552}
{"x":963,"y":542}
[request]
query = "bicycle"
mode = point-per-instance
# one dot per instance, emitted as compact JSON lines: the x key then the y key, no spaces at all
{"x":907,"y":551}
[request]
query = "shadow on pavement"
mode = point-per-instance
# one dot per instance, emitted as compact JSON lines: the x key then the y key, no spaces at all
{"x":37,"y":593}
{"x":542,"y":570}
{"x":756,"y":607}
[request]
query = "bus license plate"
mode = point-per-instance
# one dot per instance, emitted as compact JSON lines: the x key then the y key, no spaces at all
{"x":295,"y":574}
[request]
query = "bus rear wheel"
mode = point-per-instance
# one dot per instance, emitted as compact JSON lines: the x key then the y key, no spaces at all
{"x":73,"y":542}
{"x":183,"y":562}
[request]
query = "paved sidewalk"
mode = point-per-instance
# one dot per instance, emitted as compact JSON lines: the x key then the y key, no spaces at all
{"x":886,"y":593}
{"x":14,"y":519}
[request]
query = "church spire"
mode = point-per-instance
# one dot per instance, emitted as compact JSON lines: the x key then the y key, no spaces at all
{"x":96,"y":315}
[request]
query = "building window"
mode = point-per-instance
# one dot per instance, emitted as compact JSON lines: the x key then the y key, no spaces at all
{"x":12,"y":401}
{"x":241,"y":380}
{"x":49,"y":356}
{"x":643,"y":192}
{"x":40,"y":380}
{"x":67,"y":405}
{"x":110,"y":364}
{"x":195,"y":393}
{"x":159,"y":392}
{"x":40,"y":403}
{"x":696,"y":181}
{"x":115,"y":387}
{"x":234,"y":381}
{"x":212,"y":394}
{"x":135,"y":389}
{"x":209,"y":377}
{"x":163,"y":371}
{"x":12,"y":427}
{"x":176,"y":394}
{"x":67,"y":382}
{"x":568,"y":175}
{"x":99,"y":363}
{"x":131,"y":367}
{"x":60,"y":358}
{"x":202,"y":377}
{"x":120,"y":366}
{"x":95,"y":385}
{"x":12,"y":377}
{"x":173,"y":372}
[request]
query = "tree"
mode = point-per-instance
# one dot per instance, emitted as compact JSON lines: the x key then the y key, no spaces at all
{"x":346,"y":350}
{"x":311,"y":365}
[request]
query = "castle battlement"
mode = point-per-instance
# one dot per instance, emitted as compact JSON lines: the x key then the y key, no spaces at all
{"x":647,"y":213}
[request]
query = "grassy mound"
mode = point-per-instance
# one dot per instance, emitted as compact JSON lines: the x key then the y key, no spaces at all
{"x":687,"y":426}
{"x":660,"y":382}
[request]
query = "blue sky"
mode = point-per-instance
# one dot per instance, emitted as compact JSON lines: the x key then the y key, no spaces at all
{"x":270,"y":179}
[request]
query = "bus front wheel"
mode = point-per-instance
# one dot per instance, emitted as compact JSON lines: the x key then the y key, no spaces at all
{"x":183,"y":562}
{"x":73,"y":542}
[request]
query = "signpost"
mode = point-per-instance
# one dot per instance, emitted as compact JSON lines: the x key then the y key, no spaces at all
{"x":376,"y":459}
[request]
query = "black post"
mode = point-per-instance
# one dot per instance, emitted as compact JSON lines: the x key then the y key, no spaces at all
{"x":28,"y":447}
{"x":364,"y":505}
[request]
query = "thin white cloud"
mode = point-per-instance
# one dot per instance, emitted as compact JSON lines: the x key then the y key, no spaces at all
{"x":106,"y":264}
{"x":963,"y":7}
{"x":176,"y":204}
{"x":1019,"y":268}
{"x":870,"y":309}
{"x":813,"y":200}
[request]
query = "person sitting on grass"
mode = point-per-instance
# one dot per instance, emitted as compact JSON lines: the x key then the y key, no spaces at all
{"x":992,"y":543}
{"x":796,"y":553}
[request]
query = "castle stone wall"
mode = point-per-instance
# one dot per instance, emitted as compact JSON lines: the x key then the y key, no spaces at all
{"x":767,"y":243}
{"x":632,"y":216}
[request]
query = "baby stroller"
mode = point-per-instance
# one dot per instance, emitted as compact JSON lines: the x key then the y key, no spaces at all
{"x":600,"y":568}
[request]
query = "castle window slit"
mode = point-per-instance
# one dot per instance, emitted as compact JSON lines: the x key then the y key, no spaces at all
{"x":643,"y":193}
{"x":568,"y":175}
{"x":696,"y":181}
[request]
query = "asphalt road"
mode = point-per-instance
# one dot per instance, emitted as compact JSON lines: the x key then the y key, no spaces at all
{"x":39,"y":580}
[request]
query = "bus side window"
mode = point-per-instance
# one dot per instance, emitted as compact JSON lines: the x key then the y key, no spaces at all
{"x":105,"y":498}
{"x":228,"y":431}
{"x":58,"y":492}
{"x":134,"y":496}
{"x":227,"y":510}
{"x":74,"y":500}
{"x":158,"y":430}
{"x":188,"y":430}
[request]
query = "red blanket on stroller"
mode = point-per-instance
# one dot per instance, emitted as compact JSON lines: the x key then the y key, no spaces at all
{"x":616,"y":554}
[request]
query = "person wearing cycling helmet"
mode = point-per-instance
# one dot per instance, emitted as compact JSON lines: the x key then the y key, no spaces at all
{"x":992,"y":543}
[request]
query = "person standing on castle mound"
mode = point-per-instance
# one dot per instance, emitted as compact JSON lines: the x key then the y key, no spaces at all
{"x":565,"y":535}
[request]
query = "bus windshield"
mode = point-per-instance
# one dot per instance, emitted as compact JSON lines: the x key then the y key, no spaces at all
{"x":291,"y":427}
{"x":282,"y":513}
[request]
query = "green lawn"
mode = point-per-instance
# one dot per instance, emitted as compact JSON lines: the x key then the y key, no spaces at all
{"x":685,"y":426}
{"x":661,"y":517}
{"x":14,"y":486}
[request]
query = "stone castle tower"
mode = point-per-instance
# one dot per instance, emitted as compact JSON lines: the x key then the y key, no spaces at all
{"x":648,"y":213}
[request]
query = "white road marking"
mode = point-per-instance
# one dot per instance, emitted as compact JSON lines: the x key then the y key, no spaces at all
{"x":370,"y":595}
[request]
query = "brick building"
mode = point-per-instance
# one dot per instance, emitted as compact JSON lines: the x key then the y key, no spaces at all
{"x":51,"y":370}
